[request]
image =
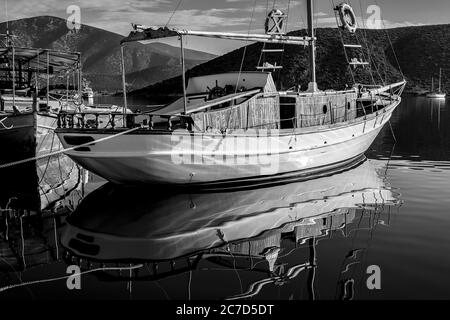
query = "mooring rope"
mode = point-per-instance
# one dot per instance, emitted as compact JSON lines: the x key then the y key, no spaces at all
{"x":50,"y":154}
{"x":2,"y":289}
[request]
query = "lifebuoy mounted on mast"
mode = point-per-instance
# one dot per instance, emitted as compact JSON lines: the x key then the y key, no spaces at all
{"x":347,"y":17}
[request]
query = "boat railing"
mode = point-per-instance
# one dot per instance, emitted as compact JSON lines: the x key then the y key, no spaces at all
{"x":149,"y":121}
{"x":331,"y":114}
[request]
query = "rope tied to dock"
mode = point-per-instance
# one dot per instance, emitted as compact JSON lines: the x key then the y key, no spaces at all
{"x":50,"y":154}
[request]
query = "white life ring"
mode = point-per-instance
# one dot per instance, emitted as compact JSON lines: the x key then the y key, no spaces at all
{"x":347,"y":17}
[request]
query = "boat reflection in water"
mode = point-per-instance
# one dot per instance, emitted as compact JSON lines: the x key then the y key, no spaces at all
{"x":253,"y":232}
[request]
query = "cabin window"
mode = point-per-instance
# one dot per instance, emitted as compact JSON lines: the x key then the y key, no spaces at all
{"x":349,"y":106}
{"x":287,"y":113}
{"x":325,"y":109}
{"x":77,"y":140}
{"x":43,"y":108}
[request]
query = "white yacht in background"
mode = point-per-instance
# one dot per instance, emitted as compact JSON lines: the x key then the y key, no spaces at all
{"x":237,"y":128}
{"x":88,"y":95}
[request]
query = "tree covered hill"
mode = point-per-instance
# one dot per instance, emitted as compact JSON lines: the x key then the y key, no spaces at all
{"x":419,"y":53}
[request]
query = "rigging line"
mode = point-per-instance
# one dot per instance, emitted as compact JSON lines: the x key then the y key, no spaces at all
{"x":48,"y":160}
{"x":264,"y":44}
{"x":8,"y":38}
{"x":361,"y":43}
{"x":243,"y":55}
{"x":236,"y":271}
{"x":392,"y":131}
{"x":342,"y":42}
{"x":173,"y":12}
{"x":390,"y":43}
{"x":389,"y":161}
{"x":364,"y":35}
{"x":56,"y":239}
{"x":284,"y":45}
{"x":315,"y":21}
{"x":23,"y":242}
{"x":369,"y":58}
{"x":189,"y":285}
{"x":303,"y":25}
{"x":365,"y":42}
{"x":157,"y":283}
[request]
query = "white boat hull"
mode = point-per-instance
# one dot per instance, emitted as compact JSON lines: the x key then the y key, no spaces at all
{"x":182,"y":157}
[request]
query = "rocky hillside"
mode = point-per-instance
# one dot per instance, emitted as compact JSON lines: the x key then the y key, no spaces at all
{"x":420,"y":52}
{"x":146,"y":64}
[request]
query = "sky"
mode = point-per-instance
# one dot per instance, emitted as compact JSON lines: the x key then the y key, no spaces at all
{"x":224,"y":15}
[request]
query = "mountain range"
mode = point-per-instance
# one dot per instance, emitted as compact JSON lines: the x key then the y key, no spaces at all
{"x":153,"y":69}
{"x":100,"y":52}
{"x":413,"y":53}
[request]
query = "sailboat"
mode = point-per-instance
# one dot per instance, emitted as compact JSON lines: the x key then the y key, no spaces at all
{"x":231,"y":129}
{"x":439,"y":94}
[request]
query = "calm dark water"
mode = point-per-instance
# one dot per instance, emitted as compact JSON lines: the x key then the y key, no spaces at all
{"x":309,"y":240}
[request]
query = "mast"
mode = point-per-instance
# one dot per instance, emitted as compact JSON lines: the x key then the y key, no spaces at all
{"x":13,"y":77}
{"x":80,"y":79}
{"x":183,"y":75}
{"x":312,"y":86}
{"x":440,"y":76}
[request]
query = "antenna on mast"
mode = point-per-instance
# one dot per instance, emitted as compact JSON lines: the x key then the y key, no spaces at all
{"x":440,"y":79}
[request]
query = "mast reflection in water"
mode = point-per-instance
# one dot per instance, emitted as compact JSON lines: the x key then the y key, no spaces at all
{"x":261,"y":243}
